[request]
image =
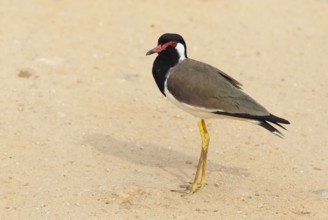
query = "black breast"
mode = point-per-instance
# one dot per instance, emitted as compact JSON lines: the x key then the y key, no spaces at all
{"x":162,"y":64}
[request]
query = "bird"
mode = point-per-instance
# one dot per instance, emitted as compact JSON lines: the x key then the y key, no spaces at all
{"x":206,"y":92}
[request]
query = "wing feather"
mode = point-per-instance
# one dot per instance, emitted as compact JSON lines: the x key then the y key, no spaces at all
{"x":201,"y":85}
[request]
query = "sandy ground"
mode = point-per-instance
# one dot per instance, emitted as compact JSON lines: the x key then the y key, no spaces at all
{"x":85,"y":133}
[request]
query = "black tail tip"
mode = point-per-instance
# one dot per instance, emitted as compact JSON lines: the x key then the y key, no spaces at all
{"x":272,"y":129}
{"x":276,"y":119}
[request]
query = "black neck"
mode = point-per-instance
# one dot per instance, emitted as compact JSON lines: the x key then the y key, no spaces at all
{"x":163,"y":62}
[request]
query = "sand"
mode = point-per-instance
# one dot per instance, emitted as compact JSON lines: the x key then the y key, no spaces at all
{"x":86,"y":134}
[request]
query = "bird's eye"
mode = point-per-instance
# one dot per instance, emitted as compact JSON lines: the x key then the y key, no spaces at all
{"x":173,"y":43}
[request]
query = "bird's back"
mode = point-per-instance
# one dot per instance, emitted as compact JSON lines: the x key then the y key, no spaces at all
{"x":202,"y":85}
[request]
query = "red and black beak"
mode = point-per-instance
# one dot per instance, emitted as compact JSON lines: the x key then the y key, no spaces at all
{"x":157,"y":49}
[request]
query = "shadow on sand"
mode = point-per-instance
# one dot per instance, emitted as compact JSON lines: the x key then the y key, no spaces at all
{"x":153,"y":155}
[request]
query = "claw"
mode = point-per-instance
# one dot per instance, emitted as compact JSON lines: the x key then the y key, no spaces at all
{"x":188,"y":191}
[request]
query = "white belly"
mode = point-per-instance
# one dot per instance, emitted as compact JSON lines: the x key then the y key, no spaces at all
{"x":194,"y":110}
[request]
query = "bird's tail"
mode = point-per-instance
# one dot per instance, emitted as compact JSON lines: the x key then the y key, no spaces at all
{"x":274,"y":120}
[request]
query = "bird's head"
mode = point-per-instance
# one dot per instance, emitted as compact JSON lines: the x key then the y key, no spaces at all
{"x":170,"y":43}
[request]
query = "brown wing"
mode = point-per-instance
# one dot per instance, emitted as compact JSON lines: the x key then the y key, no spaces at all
{"x":199,"y":84}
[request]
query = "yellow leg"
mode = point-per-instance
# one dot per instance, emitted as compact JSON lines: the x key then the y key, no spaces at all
{"x":205,"y":142}
{"x":202,"y":160}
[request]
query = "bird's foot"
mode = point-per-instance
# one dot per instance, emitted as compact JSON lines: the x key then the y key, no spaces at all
{"x":190,"y":189}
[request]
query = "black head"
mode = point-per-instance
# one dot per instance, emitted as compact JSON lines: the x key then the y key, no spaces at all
{"x":170,"y":43}
{"x":171,"y":49}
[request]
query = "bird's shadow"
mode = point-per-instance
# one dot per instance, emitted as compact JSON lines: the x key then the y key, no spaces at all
{"x":154,"y":155}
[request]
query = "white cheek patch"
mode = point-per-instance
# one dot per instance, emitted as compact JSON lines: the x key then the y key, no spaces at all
{"x":181,"y":51}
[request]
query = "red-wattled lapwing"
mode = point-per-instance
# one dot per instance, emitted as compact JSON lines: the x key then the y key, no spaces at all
{"x":205,"y":92}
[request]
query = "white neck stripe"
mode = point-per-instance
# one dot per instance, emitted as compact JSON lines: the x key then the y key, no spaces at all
{"x":181,"y":51}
